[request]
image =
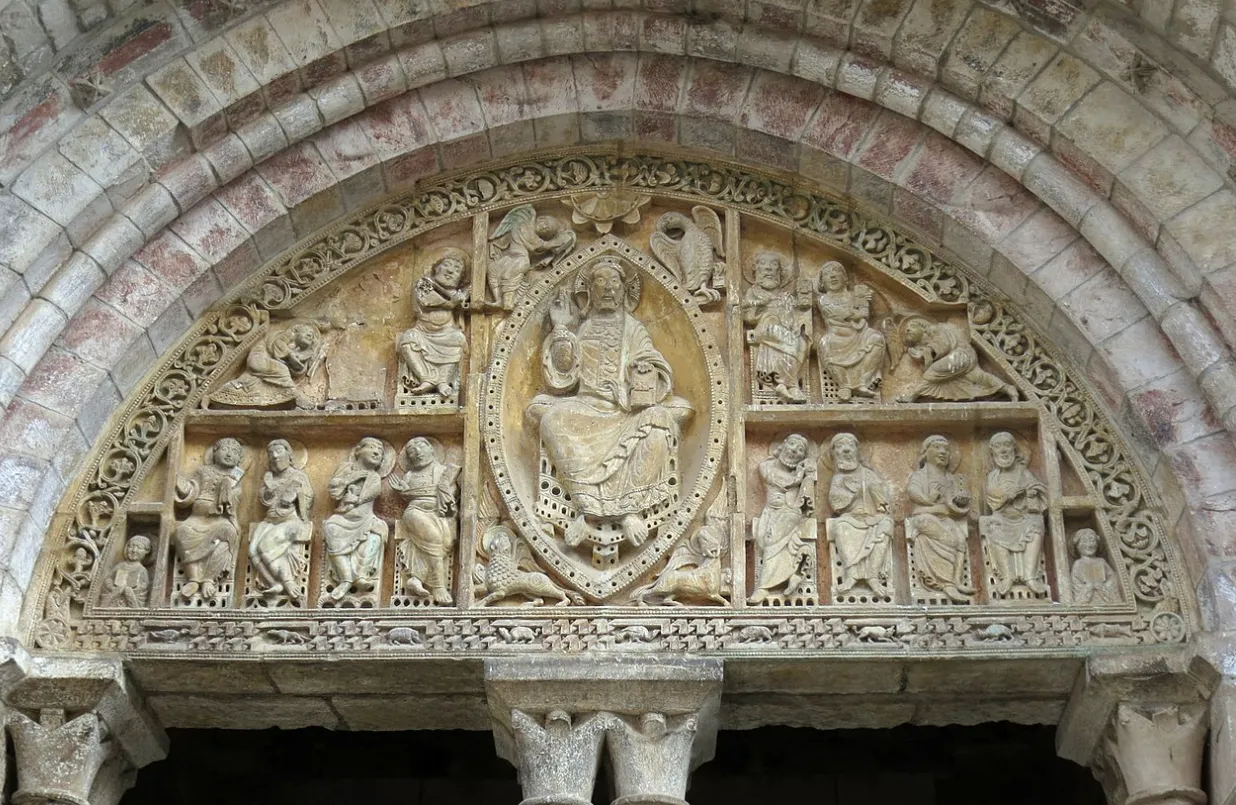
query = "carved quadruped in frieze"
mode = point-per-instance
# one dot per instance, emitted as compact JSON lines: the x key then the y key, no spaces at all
{"x":431,"y":351}
{"x":128,"y":581}
{"x":56,"y":758}
{"x":693,"y":248}
{"x":951,"y":370}
{"x":524,"y":241}
{"x":206,"y":540}
{"x":355,"y":536}
{"x":695,"y":573}
{"x":279,"y":545}
{"x":784,"y":533}
{"x":427,"y":531}
{"x":277,"y":368}
{"x":852,"y":351}
{"x":1014,"y":529}
{"x":777,"y":309}
{"x":512,"y":573}
{"x":937,"y":529}
{"x":860,"y":532}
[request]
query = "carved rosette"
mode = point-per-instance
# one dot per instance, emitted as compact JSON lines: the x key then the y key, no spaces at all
{"x":645,"y":485}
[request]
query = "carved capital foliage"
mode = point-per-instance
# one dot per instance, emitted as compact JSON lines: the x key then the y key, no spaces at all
{"x":651,"y":756}
{"x":1157,"y":750}
{"x":557,"y":756}
{"x":57,"y":760}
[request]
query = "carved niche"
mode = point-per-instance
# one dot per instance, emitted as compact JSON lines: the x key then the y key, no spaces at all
{"x":540,"y":407}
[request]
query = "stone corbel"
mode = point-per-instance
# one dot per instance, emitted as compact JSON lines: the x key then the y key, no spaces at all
{"x":1139,"y":721}
{"x":79,"y":729}
{"x":552,"y":717}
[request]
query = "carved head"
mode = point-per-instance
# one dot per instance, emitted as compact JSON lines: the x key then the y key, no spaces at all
{"x":137,"y":548}
{"x":844,"y":448}
{"x":936,"y":450}
{"x":449,"y":271}
{"x":279,"y":453}
{"x":305,"y":335}
{"x":833,"y":277}
{"x":226,"y":453}
{"x":1086,"y":541}
{"x":547,"y":227}
{"x":793,"y":450}
{"x":419,"y":452}
{"x":369,"y":452}
{"x":1002,"y":448}
{"x":915,"y":330}
{"x":768,"y":271}
{"x":608,"y":287}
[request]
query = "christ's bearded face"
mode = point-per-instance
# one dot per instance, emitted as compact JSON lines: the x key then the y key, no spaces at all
{"x":607,"y":290}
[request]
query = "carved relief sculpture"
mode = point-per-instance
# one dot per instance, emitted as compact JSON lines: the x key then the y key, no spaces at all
{"x":860,"y":531}
{"x":278,"y":545}
{"x":784,"y":533}
{"x":431,"y":351}
{"x":602,"y":207}
{"x":692,"y":248}
{"x":780,"y":337}
{"x":128,"y":584}
{"x":851,"y":351}
{"x":558,"y":760}
{"x":427,"y":530}
{"x":950,"y":364}
{"x":651,"y":758}
{"x":1093,"y":581}
{"x":936,"y":528}
{"x":523,"y":241}
{"x":354,"y":535}
{"x":206,"y":540}
{"x":1013,"y":531}
{"x":610,"y":425}
{"x":275,"y":368}
{"x":512,"y":573}
{"x":694,"y":571}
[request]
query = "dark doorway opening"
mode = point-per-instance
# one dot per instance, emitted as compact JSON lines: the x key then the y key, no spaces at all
{"x":1006,"y":763}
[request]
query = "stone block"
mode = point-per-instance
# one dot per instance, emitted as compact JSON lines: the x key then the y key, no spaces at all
{"x":242,"y":712}
{"x":184,"y":92}
{"x":605,"y":82}
{"x":137,"y":293}
{"x":889,"y":146}
{"x":1016,"y":67}
{"x":975,"y":49}
{"x":926,"y":32}
{"x":469,"y":53}
{"x":151,"y":210}
{"x":858,"y":76}
{"x":452,"y":109}
{"x":431,"y":712}
{"x":550,"y":85}
{"x":1061,"y":84}
{"x":298,"y":117}
{"x":338,"y":99}
{"x":39,"y":324}
{"x":189,"y":181}
{"x":64,"y":193}
{"x":106,"y":157}
{"x":264,"y":55}
{"x":780,"y":106}
{"x":263,"y":137}
{"x":32,"y":242}
{"x":716,"y":90}
{"x":1201,"y":237}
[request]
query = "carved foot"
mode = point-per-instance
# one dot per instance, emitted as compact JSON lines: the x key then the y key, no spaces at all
{"x":422,"y":388}
{"x":189,"y":590}
{"x":413,"y":586}
{"x":758,"y":597}
{"x":209,"y":589}
{"x":790,"y":393}
{"x":1011,"y":392}
{"x":442,"y":598}
{"x":341,"y":590}
{"x":1036,"y":586}
{"x":634,"y":529}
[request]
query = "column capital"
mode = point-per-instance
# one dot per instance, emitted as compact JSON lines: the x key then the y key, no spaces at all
{"x":1139,"y":721}
{"x":70,"y":718}
{"x":656,"y":716}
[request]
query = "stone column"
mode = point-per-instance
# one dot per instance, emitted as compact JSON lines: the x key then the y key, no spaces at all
{"x":1139,"y":721}
{"x":79,"y":729}
{"x":656,"y":720}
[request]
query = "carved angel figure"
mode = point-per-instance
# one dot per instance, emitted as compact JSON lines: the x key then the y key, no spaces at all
{"x":851,"y":351}
{"x":128,"y":585}
{"x":512,"y":572}
{"x":784,"y":532}
{"x":861,"y":530}
{"x":950,"y":364}
{"x":1014,"y":530}
{"x":694,"y":571}
{"x":430,"y":352}
{"x":288,"y":497}
{"x":430,"y":520}
{"x":206,"y":540}
{"x":523,"y":241}
{"x":354,"y":535}
{"x":692,"y":248}
{"x":936,"y":527}
{"x":1092,"y":578}
{"x":285,"y":357}
{"x":782,"y":320}
{"x":611,"y":425}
